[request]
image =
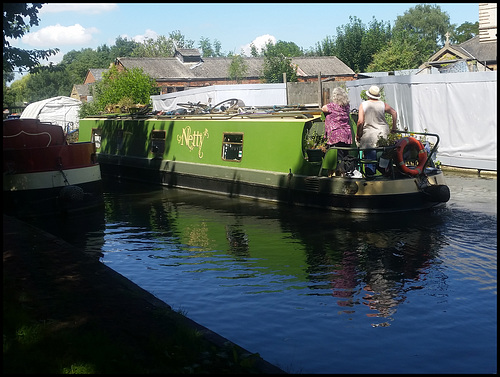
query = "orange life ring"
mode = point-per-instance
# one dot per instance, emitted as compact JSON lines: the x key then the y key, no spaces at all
{"x":422,"y":156}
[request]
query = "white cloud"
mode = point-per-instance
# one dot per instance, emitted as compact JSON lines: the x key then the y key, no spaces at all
{"x":55,"y":59}
{"x":149,"y":34}
{"x":87,"y":8}
{"x":57,"y":36}
{"x":259,"y":43}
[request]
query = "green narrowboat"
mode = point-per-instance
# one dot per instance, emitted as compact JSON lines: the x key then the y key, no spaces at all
{"x":263,"y":155}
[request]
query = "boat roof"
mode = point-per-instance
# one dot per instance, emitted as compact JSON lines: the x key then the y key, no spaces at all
{"x":264,"y":113}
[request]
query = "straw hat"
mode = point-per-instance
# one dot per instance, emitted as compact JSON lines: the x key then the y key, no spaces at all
{"x":373,"y":92}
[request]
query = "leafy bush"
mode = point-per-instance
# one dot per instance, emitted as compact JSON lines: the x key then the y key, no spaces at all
{"x":120,"y":88}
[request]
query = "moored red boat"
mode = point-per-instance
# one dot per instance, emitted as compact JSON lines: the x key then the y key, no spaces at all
{"x":43,"y":174}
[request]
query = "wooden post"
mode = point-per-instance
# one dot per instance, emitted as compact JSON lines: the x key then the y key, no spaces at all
{"x":286,"y":87}
{"x":320,"y":91}
{"x":326,"y":96}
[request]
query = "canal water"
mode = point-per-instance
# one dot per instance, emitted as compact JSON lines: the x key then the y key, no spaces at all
{"x":313,"y":291}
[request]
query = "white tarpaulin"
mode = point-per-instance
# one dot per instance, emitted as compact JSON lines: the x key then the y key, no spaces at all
{"x":460,"y":107}
{"x":250,"y":94}
{"x":57,"y":110}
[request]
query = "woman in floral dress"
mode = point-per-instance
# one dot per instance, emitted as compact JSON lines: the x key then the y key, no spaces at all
{"x":337,"y":128}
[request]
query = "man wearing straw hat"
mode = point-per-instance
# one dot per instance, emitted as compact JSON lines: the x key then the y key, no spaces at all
{"x":372,"y":125}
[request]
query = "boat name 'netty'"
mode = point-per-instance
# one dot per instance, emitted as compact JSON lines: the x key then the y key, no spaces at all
{"x":192,"y":139}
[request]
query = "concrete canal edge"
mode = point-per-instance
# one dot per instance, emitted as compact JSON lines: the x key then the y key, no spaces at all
{"x":476,"y":172}
{"x":31,"y":254}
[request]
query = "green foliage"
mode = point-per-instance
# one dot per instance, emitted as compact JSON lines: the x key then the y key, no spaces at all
{"x":277,"y":60}
{"x":326,"y":47}
{"x":77,"y":63}
{"x":207,"y":50}
{"x":237,"y":69}
{"x":424,"y":26}
{"x":349,"y":43}
{"x":375,"y":38}
{"x":391,"y":139}
{"x":89,"y":108}
{"x":151,"y":48}
{"x":14,"y":95}
{"x":123,"y":88}
{"x":15,"y":26}
{"x":162,"y":46}
{"x":253,"y":50}
{"x":53,"y":83}
{"x":289,"y":49}
{"x":396,"y":55}
{"x":275,"y":66}
{"x":122,"y":47}
{"x":356,"y":44}
{"x":314,"y":139}
{"x":465,"y":32}
{"x":133,"y":83}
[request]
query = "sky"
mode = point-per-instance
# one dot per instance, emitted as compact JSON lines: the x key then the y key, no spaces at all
{"x":74,"y":26}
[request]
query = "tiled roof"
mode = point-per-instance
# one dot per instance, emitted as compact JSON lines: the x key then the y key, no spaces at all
{"x":97,"y":73}
{"x":82,"y":89}
{"x":212,"y":68}
{"x":482,"y":51}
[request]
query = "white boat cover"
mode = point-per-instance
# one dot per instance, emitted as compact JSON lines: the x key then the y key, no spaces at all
{"x":250,"y":94}
{"x":57,"y":110}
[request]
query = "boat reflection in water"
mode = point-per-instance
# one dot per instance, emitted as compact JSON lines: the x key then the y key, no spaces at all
{"x":365,"y":262}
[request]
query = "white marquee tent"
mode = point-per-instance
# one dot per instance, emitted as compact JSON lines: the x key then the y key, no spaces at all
{"x":57,"y":110}
{"x":460,"y":107}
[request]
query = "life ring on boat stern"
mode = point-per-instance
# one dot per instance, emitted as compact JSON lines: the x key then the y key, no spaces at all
{"x":422,"y":156}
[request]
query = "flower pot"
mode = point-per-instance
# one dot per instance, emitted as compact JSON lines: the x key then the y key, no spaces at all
{"x":315,"y":155}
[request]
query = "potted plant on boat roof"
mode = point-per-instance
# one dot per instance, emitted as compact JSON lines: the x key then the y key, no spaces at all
{"x":315,"y":146}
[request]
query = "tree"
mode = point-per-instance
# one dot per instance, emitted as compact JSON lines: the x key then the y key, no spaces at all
{"x":289,"y":49}
{"x":44,"y":84}
{"x":464,"y":32}
{"x":15,"y":94}
{"x":131,"y":86}
{"x":275,"y":66}
{"x":326,"y":47}
{"x":151,"y":48}
{"x":425,"y":26}
{"x":180,"y":40}
{"x":348,"y":44}
{"x":217,"y":48}
{"x":374,"y":40}
{"x":15,"y":26}
{"x":122,"y":47}
{"x":237,"y":69}
{"x":396,"y":55}
{"x":277,"y":60}
{"x":77,"y":63}
{"x":253,"y":50}
{"x":162,"y":46}
{"x":206,"y":47}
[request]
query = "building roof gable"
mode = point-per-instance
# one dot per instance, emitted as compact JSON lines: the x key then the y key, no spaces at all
{"x":472,"y":49}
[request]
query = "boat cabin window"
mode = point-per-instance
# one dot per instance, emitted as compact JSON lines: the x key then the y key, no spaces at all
{"x":158,"y":142}
{"x":96,"y":137}
{"x":232,"y":146}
